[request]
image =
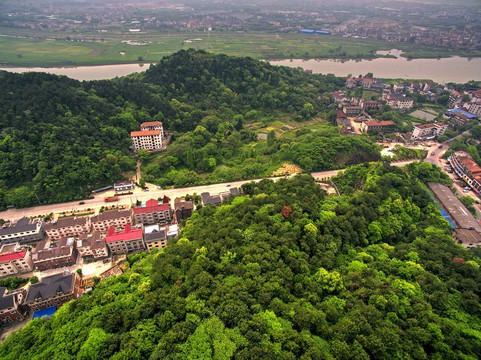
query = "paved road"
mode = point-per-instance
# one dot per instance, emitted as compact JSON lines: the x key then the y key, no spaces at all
{"x":98,"y":201}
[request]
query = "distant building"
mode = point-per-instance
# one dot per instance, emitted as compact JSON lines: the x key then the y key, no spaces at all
{"x":14,"y":260}
{"x":423,"y":131}
{"x":352,"y":83}
{"x":24,"y":231}
{"x":183,"y":208}
{"x":52,"y":254}
{"x":116,"y":218}
{"x":339,"y":96}
{"x":67,"y":227}
{"x":367,"y":82}
{"x":475,"y":108}
{"x":124,"y":187}
{"x":124,"y":242}
{"x":148,"y":140}
{"x":53,"y":290}
{"x":152,"y":125}
{"x":351,"y":110}
{"x":465,"y":167}
{"x":399,"y":101}
{"x":371,"y":126}
{"x":153,"y":212}
{"x":10,"y":306}
{"x":92,"y":246}
{"x":370,"y":104}
{"x":208,"y":199}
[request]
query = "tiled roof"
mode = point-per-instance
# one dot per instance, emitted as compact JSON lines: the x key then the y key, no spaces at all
{"x":22,"y":225}
{"x":380,"y":123}
{"x":49,"y":249}
{"x":5,"y":301}
{"x":151,"y":206}
{"x":12,"y":256}
{"x":110,"y":215}
{"x":67,"y":222}
{"x":127,"y":235}
{"x":50,"y":286}
{"x":145,"y":133}
{"x":151,"y":123}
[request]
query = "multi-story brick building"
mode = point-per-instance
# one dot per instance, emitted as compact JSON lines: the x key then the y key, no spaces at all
{"x":183,"y":208}
{"x":51,"y":254}
{"x":67,"y":227}
{"x":153,"y":213}
{"x":11,"y":308}
{"x":148,"y":140}
{"x":124,"y":242}
{"x":371,"y":126}
{"x":53,"y":290}
{"x":24,"y":231}
{"x":116,"y":218}
{"x":14,"y":260}
{"x":92,"y":246}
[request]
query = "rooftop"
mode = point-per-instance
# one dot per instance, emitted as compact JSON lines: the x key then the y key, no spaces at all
{"x":151,"y":206}
{"x":150,"y":123}
{"x":110,"y":215}
{"x":145,"y":133}
{"x":22,"y":225}
{"x":454,"y":207}
{"x":12,"y":256}
{"x":67,"y":222}
{"x":468,"y":238}
{"x":50,"y":286}
{"x":127,"y":235}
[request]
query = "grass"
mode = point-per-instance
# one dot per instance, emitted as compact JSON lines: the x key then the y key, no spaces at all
{"x":112,"y":49}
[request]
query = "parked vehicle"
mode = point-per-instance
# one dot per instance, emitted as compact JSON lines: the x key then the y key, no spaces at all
{"x":111,"y":198}
{"x":81,"y":203}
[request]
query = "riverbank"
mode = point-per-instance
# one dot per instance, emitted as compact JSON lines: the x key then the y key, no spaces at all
{"x":438,"y":70}
{"x":26,"y":49}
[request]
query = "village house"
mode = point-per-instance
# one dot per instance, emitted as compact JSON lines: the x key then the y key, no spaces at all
{"x":124,"y":187}
{"x":124,"y":242}
{"x":153,"y":212}
{"x":367,"y":82}
{"x":384,"y":126}
{"x":351,"y":110}
{"x":92,"y":246}
{"x":208,"y":199}
{"x":183,"y":209}
{"x":370,"y":104}
{"x":399,"y":101}
{"x":53,"y":290}
{"x":24,"y":231}
{"x":51,"y":254}
{"x":430,"y":130}
{"x":67,"y":227}
{"x":155,"y":237}
{"x":11,"y":308}
{"x":14,"y":260}
{"x":116,"y":218}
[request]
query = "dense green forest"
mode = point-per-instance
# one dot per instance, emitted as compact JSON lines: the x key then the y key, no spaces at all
{"x":285,"y":272}
{"x":61,"y":138}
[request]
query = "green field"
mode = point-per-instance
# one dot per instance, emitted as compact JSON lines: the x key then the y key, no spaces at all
{"x":114,"y":49}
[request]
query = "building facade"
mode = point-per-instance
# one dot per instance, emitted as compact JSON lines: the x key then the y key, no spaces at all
{"x":372,"y":126}
{"x":124,"y":242}
{"x":67,"y":227}
{"x":152,"y":125}
{"x":11,"y":308}
{"x":92,"y":246}
{"x":183,"y":209}
{"x":116,"y":218}
{"x":465,"y":167}
{"x":14,"y":260}
{"x":53,"y":290}
{"x":24,"y":231}
{"x":124,"y":187}
{"x":53,"y":254}
{"x":148,"y":140}
{"x":153,"y":213}
{"x":429,"y":130}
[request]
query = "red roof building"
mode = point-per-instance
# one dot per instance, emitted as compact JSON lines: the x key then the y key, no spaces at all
{"x":154,"y":213}
{"x":124,"y":242}
{"x":14,"y":260}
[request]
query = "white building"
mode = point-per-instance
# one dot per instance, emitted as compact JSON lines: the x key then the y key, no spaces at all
{"x":429,"y":130}
{"x":14,"y":260}
{"x":148,"y":140}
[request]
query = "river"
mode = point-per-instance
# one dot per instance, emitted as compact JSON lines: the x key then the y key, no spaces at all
{"x":454,"y":69}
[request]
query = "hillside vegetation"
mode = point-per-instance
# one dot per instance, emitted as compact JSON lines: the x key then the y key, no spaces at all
{"x":372,"y":273}
{"x":60,"y":138}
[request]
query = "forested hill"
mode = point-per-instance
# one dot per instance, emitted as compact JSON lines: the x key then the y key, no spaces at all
{"x":284,"y":272}
{"x":60,"y":138}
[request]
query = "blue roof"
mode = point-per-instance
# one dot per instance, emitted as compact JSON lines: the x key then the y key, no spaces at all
{"x":306,"y":31}
{"x":48,"y":312}
{"x":465,"y":113}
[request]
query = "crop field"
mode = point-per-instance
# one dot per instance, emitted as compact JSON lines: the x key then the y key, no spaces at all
{"x":117,"y":49}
